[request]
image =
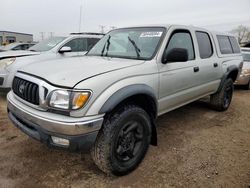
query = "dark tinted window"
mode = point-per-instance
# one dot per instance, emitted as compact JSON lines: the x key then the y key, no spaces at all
{"x":77,"y":45}
{"x":21,"y":47}
{"x":205,"y":45}
{"x":92,"y":42}
{"x":225,"y":45}
{"x":235,"y":45}
{"x":181,"y":39}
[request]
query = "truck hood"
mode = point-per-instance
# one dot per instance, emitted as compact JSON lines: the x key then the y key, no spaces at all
{"x":16,"y":53}
{"x":68,"y":72}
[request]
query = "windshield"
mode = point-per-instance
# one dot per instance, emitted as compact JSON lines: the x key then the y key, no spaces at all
{"x":47,"y":44}
{"x":246,"y":57}
{"x":132,"y":43}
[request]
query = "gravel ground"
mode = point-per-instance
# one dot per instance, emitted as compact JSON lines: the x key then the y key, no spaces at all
{"x":197,"y":147}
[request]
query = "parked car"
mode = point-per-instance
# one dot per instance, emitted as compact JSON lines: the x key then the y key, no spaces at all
{"x":17,"y":46}
{"x":53,"y":48}
{"x":108,"y":101}
{"x":244,"y":78}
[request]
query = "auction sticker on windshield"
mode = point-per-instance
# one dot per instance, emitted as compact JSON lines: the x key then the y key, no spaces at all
{"x":151,"y":34}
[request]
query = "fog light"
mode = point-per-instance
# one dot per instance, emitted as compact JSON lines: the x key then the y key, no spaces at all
{"x":60,"y":141}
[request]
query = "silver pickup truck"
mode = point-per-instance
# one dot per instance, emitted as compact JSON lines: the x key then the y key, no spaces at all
{"x":109,"y":100}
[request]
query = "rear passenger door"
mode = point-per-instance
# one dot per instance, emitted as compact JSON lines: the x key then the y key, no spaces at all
{"x":209,"y":67}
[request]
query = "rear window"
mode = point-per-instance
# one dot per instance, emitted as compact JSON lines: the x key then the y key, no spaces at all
{"x":205,"y":45}
{"x":235,"y":45}
{"x":225,"y":45}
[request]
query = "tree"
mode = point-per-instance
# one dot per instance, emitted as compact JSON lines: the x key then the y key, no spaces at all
{"x":242,"y":32}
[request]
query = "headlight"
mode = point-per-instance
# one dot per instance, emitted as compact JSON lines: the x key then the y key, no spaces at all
{"x":68,"y":100}
{"x":6,"y":62}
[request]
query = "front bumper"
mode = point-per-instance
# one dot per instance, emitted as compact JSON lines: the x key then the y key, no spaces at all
{"x":80,"y":132}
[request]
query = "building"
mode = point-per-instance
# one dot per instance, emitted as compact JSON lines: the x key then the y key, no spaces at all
{"x":7,"y":37}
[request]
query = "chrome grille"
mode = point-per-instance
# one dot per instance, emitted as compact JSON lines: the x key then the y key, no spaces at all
{"x":26,"y":90}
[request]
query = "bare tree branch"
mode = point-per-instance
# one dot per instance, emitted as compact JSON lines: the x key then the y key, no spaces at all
{"x":242,"y":33}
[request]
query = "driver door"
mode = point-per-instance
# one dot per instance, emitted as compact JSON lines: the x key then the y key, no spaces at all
{"x":178,"y":79}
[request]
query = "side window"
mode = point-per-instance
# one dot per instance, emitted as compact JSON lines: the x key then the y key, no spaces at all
{"x":225,"y":45}
{"x":205,"y":45}
{"x":77,"y":45}
{"x":19,"y":47}
{"x":24,"y":46}
{"x":235,"y":45}
{"x":181,"y":39}
{"x":92,"y":42}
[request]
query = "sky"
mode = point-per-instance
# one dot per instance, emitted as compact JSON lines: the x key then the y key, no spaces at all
{"x":60,"y":17}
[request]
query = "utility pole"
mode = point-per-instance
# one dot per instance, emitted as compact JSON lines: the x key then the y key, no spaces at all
{"x":51,"y":34}
{"x":80,"y":20}
{"x":42,"y":35}
{"x":102,"y":27}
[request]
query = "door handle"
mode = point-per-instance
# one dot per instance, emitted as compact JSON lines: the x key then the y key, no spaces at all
{"x":215,"y":64}
{"x":196,"y":69}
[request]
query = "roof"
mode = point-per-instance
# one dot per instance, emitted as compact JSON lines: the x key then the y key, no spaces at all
{"x":179,"y":25}
{"x":17,"y":33}
{"x":87,"y":33}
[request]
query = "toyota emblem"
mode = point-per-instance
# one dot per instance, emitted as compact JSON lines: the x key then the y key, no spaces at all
{"x":21,"y":89}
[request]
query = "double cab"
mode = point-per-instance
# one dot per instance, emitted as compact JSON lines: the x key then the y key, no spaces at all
{"x":108,"y":101}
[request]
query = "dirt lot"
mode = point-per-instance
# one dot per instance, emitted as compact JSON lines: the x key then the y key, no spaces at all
{"x":197,"y":148}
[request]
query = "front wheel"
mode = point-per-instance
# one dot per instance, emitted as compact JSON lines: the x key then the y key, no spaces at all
{"x":221,"y":100}
{"x":123,"y":140}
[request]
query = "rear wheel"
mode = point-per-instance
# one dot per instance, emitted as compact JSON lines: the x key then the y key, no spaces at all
{"x":221,"y":100}
{"x":123,"y":140}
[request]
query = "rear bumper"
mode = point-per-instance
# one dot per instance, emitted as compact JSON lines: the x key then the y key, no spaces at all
{"x":81,"y":134}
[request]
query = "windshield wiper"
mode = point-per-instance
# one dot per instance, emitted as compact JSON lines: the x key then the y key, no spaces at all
{"x":106,"y":45}
{"x":137,"y":50}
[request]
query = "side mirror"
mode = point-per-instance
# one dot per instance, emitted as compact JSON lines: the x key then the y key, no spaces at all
{"x":65,"y":49}
{"x":176,"y":55}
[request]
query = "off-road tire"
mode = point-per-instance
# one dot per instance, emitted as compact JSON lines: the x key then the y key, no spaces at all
{"x":218,"y":101}
{"x":104,"y":151}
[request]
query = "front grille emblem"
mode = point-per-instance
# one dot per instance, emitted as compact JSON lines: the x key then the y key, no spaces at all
{"x":21,"y":89}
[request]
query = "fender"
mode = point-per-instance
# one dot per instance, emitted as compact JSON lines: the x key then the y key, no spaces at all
{"x":225,"y":76}
{"x":129,"y":91}
{"x":126,"y":92}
